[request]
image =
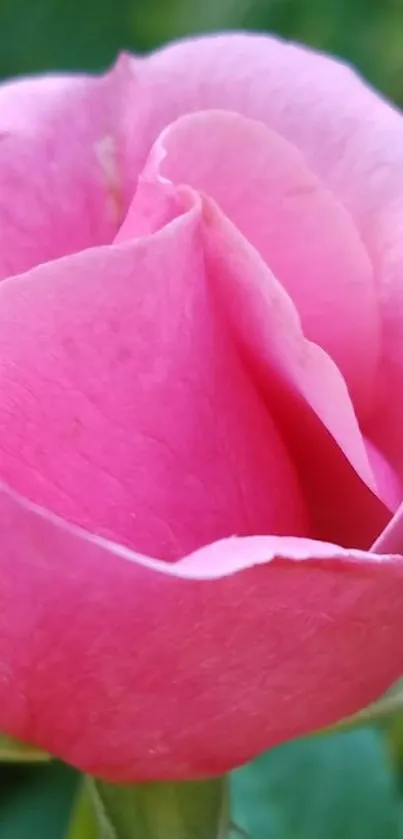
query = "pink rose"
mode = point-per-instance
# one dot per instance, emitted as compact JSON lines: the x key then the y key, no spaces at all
{"x":201,"y":410}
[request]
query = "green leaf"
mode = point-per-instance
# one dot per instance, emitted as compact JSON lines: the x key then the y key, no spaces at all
{"x":36,"y":801}
{"x":182,"y":810}
{"x":83,"y":823}
{"x":333,"y":787}
{"x":15,"y":750}
{"x":379,"y":712}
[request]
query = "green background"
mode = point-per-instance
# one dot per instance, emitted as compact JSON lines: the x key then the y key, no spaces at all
{"x":334,"y":787}
{"x":42,"y":34}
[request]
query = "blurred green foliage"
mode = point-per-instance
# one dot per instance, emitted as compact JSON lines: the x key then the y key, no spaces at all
{"x":36,"y":801}
{"x":45,"y":34}
{"x":337,"y":787}
{"x":332,"y":787}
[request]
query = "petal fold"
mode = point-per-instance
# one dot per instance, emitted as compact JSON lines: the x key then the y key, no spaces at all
{"x":263,"y":184}
{"x":125,"y":405}
{"x":133,"y":669}
{"x":302,"y":386}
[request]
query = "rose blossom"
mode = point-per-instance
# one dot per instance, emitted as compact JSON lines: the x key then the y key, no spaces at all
{"x":201,"y":356}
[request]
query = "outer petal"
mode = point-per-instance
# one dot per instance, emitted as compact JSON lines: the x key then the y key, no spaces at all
{"x":303,"y":387}
{"x":307,"y":238}
{"x":314,"y":100}
{"x":59,"y":168}
{"x":349,"y":135}
{"x":125,"y":406}
{"x":134,"y":669}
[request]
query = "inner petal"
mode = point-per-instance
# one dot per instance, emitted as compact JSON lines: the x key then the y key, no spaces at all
{"x":301,"y":385}
{"x":125,"y":406}
{"x":263,"y":184}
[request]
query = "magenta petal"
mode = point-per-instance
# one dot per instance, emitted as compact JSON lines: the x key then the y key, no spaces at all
{"x":133,"y":669}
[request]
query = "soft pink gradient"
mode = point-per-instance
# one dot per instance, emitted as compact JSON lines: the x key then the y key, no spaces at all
{"x":201,"y":332}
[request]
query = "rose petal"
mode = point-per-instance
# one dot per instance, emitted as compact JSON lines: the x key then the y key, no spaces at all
{"x":125,"y":406}
{"x":349,"y":135}
{"x":133,"y":669}
{"x":317,"y":102}
{"x":391,"y":539}
{"x":313,"y":100}
{"x":59,"y":169}
{"x":304,"y":389}
{"x":264,"y":186}
{"x":387,"y":480}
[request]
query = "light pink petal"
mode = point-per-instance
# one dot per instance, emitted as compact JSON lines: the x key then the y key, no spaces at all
{"x":133,"y":669}
{"x":313,"y":100}
{"x":348,"y":134}
{"x":385,"y":427}
{"x":386,"y":477}
{"x":391,"y":539}
{"x":270,"y":334}
{"x":308,"y":240}
{"x":125,"y":406}
{"x":60,"y":187}
{"x":304,"y":389}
